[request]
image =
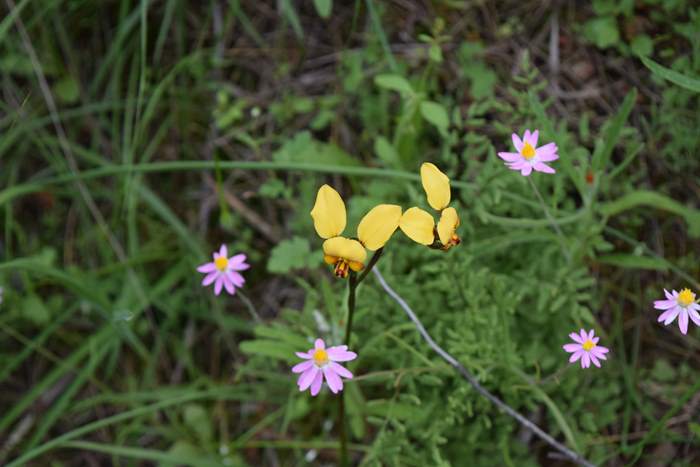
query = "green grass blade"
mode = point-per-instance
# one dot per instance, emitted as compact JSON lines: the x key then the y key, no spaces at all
{"x":601,"y":157}
{"x":679,"y":79}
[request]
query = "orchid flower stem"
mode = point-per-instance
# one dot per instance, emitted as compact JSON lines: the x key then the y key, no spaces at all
{"x":375,"y":257}
{"x":353,"y":281}
{"x":352,"y":288}
{"x":551,"y":220}
{"x":471,"y":379}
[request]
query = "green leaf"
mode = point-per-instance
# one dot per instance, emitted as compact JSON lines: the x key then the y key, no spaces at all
{"x":642,"y":45}
{"x":436,"y":114}
{"x":304,"y":148}
{"x":663,"y":371}
{"x":294,"y":253}
{"x":199,"y":421}
{"x":290,"y":14}
{"x":323,"y":8}
{"x":630,"y":261}
{"x":612,"y":132}
{"x":679,"y":79}
{"x":394,"y":83}
{"x":654,"y":200}
{"x":280,"y":333}
{"x":695,"y":428}
{"x":386,"y":152}
{"x":35,"y":310}
{"x":66,"y":89}
{"x":602,"y":31}
{"x":272,"y":349}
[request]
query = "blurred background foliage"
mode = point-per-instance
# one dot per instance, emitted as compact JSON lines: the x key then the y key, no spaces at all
{"x":136,"y":137}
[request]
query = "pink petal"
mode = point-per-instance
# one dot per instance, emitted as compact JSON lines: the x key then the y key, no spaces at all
{"x":584,"y":335}
{"x":526,"y":136}
{"x":669,"y":296}
{"x":307,"y":378}
{"x":509,"y":156}
{"x":237,"y":259}
{"x":664,"y":304}
{"x":316,"y":385}
{"x":585,"y":360}
{"x":517,"y":142}
{"x":223,"y":251}
{"x":591,"y":333}
{"x":600,"y":352}
{"x":228,"y":284}
{"x":576,"y":337}
{"x":340,"y":370}
{"x":542,"y":167}
{"x":517,"y":165}
{"x":241,"y":267}
{"x":209,"y":278}
{"x":237,"y":263}
{"x":319,"y":344}
{"x":534,"y":137}
{"x":218,"y":284}
{"x":526,"y":169}
{"x":572,"y":347}
{"x":207,"y":267}
{"x":235,"y":278}
{"x":547,"y":150}
{"x":334,"y":382}
{"x":340,"y":355}
{"x":695,"y":316}
{"x":547,"y":157}
{"x":595,"y":360}
{"x":576,"y":355}
{"x":304,"y":355}
{"x":303,"y":366}
{"x":668,"y":316}
{"x":595,"y":340}
{"x":683,"y":321}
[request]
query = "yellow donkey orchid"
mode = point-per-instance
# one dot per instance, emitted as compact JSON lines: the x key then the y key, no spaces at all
{"x":373,"y":232}
{"x":419,"y":225}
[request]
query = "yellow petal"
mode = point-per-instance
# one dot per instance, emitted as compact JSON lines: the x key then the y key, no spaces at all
{"x":345,"y":248}
{"x":328,"y":213}
{"x":436,"y":186}
{"x":418,"y":225}
{"x":449,"y":221}
{"x":378,"y":225}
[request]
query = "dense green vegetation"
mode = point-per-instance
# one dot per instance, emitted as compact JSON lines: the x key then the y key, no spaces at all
{"x":138,"y":136}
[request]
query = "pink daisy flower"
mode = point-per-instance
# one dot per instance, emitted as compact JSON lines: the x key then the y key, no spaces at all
{"x":223,"y":271}
{"x":529,"y":157}
{"x":322,"y":362}
{"x":682,"y":305}
{"x":586,"y":349}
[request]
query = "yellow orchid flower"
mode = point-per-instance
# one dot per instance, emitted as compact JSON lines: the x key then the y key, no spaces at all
{"x":419,"y":225}
{"x":373,"y":232}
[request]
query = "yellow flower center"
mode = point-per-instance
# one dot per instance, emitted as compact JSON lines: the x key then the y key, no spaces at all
{"x":686,"y":297}
{"x":528,"y":151}
{"x":320,"y":357}
{"x":221,"y":262}
{"x":588,"y":345}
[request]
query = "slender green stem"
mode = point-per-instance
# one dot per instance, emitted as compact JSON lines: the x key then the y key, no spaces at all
{"x":352,"y":288}
{"x":372,"y":262}
{"x":551,"y":220}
